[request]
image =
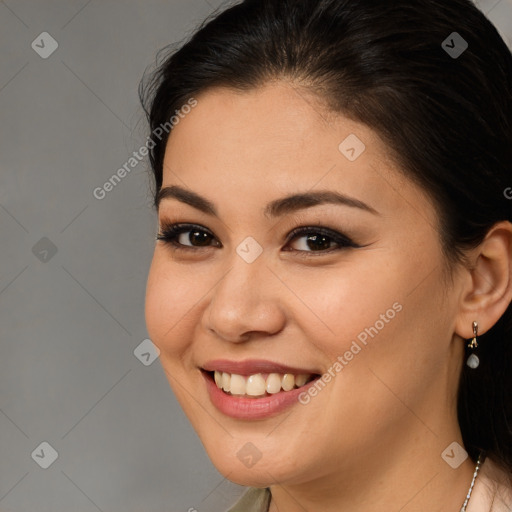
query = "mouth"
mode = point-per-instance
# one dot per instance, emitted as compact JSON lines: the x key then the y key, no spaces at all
{"x":258,"y":385}
{"x":255,"y":389}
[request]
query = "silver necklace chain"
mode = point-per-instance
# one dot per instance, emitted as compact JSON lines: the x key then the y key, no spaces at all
{"x":477,"y":468}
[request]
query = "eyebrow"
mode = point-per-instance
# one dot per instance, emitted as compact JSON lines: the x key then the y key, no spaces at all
{"x":275,"y":208}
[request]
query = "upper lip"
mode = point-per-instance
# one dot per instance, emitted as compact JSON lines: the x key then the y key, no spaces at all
{"x":252,"y":367}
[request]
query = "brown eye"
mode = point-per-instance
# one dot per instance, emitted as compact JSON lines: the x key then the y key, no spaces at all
{"x":315,"y":243}
{"x":195,"y":237}
{"x":186,"y":236}
{"x":319,"y":240}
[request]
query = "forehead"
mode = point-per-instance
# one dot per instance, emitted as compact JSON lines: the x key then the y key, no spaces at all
{"x":279,"y":139}
{"x":277,"y":117}
{"x":273,"y":127}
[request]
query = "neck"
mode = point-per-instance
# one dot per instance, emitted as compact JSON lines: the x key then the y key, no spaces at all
{"x":407,"y":475}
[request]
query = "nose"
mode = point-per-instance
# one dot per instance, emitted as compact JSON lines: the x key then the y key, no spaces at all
{"x":245,"y":303}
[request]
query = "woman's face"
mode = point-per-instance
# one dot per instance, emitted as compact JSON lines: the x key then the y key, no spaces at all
{"x":370,"y":309}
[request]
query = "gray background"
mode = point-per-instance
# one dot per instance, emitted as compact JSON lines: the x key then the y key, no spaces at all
{"x":71,"y":321}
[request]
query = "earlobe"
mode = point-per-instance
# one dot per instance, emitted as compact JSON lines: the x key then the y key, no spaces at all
{"x":489,"y":290}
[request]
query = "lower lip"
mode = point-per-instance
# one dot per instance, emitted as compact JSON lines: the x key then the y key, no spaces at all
{"x":252,"y":408}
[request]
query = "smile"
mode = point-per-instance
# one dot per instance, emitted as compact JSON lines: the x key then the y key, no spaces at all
{"x":255,"y":389}
{"x":259,"y":384}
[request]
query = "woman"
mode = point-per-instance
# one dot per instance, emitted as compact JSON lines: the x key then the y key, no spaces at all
{"x":331,"y":283}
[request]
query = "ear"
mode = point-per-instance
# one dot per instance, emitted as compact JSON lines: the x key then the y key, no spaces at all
{"x":487,"y":285}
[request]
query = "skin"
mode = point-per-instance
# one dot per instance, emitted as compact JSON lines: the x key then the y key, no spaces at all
{"x":372,"y":439}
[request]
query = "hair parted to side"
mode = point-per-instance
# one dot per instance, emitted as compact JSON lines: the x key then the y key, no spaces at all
{"x":448,"y":122}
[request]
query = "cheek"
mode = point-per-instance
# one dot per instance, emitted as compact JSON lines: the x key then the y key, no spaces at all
{"x":169,"y":298}
{"x":341,"y":305}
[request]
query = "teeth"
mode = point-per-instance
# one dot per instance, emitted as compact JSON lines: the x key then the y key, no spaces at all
{"x":257,"y":384}
{"x":226,"y":382}
{"x":288,"y":382}
{"x":237,"y":384}
{"x":300,"y":380}
{"x":274,"y":383}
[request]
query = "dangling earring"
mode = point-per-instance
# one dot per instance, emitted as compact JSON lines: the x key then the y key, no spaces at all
{"x":473,"y":360}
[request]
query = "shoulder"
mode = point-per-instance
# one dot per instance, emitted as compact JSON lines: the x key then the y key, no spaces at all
{"x":253,"y":500}
{"x":493,"y":489}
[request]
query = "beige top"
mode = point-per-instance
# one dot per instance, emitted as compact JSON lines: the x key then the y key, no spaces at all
{"x":492,"y":493}
{"x":253,"y":500}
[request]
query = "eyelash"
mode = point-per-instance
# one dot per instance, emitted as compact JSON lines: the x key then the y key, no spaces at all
{"x":170,"y":232}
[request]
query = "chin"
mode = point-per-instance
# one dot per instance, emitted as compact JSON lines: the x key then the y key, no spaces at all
{"x":247,"y":476}
{"x":243,"y":464}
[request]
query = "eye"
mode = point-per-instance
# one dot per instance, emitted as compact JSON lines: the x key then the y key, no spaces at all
{"x":186,"y":236}
{"x":320,"y":240}
{"x":316,"y":239}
